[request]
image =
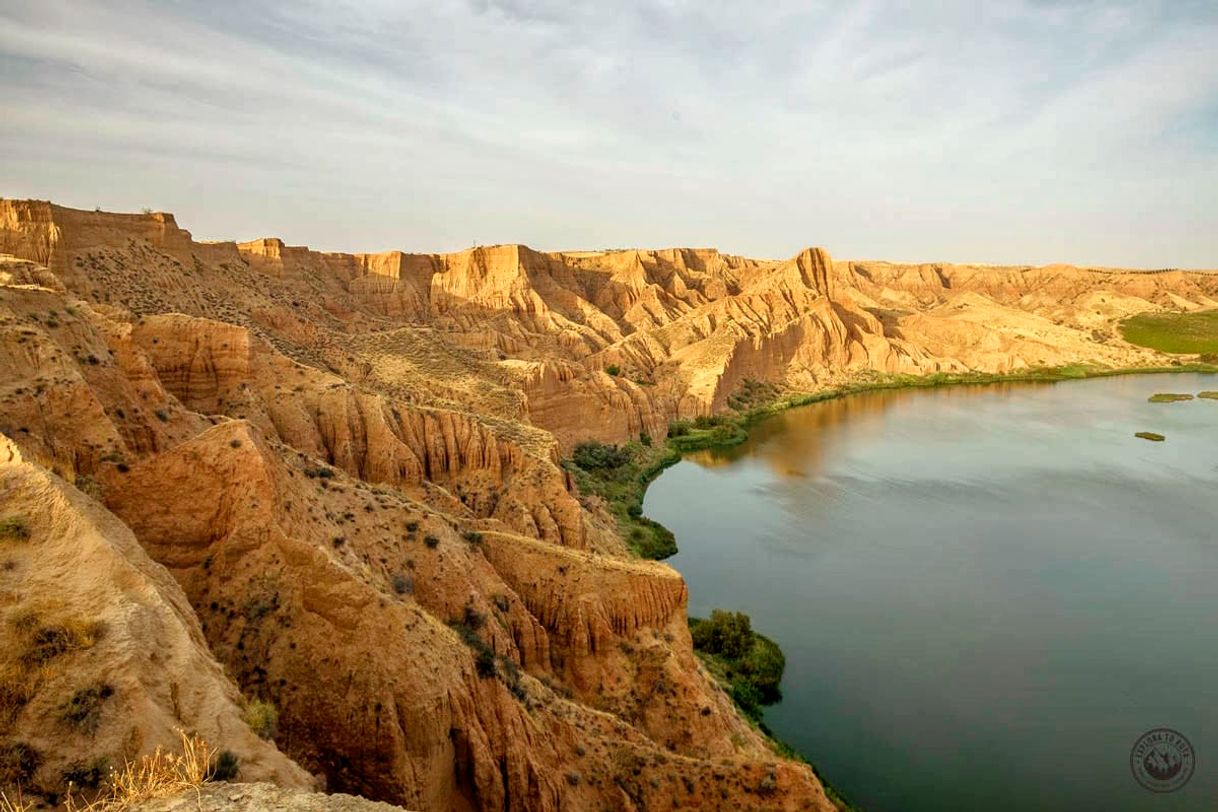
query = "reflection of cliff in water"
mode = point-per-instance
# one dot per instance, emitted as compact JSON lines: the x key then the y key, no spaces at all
{"x":796,"y":442}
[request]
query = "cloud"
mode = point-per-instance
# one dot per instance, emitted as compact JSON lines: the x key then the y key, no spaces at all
{"x":1014,"y":132}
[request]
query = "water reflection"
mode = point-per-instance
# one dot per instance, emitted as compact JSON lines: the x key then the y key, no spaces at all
{"x":985,"y":594}
{"x":796,"y":442}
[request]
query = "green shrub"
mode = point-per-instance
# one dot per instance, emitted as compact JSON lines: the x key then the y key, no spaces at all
{"x":708,"y":421}
{"x":431,"y":541}
{"x":225,"y":766}
{"x":402,"y":584}
{"x":614,"y":370}
{"x":484,"y":662}
{"x":83,"y":710}
{"x":472,"y":619}
{"x":14,"y":528}
{"x":261,"y":600}
{"x":748,"y":664}
{"x":473,"y":537}
{"x":593,"y":455}
{"x":484,"y":655}
{"x":746,"y":696}
{"x":18,"y":763}
{"x":50,"y":641}
{"x":262,"y":717}
{"x":763,"y":666}
{"x":86,"y":776}
{"x":729,"y":634}
{"x":88,"y":486}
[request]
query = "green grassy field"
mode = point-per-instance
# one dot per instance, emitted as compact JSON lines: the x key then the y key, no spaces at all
{"x":1174,"y":332}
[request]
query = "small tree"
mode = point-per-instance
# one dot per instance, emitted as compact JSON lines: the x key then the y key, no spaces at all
{"x":729,"y":634}
{"x":593,"y":455}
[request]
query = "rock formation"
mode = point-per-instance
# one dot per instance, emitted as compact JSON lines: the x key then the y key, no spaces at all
{"x":332,"y":482}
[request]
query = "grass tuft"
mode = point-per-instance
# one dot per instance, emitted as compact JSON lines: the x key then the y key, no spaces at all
{"x":14,"y":528}
{"x":19,"y":762}
{"x":262,"y":717}
{"x":83,"y":710}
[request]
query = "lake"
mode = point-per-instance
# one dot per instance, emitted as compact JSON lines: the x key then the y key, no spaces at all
{"x":985,"y":594}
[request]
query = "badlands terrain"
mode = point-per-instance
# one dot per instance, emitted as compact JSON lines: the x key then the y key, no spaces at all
{"x":246,"y":476}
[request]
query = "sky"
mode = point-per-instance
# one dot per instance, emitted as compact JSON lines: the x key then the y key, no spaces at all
{"x":1014,"y":131}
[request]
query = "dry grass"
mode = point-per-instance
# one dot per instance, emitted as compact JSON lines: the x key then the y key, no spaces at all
{"x":34,"y":641}
{"x":158,"y":775}
{"x":15,"y":804}
{"x":17,"y":687}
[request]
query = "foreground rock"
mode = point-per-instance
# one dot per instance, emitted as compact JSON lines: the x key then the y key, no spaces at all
{"x":260,"y":798}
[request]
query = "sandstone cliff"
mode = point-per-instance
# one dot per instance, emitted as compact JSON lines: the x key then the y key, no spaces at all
{"x":362,"y":520}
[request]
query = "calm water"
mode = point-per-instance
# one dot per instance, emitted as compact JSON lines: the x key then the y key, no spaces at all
{"x":985,"y":594}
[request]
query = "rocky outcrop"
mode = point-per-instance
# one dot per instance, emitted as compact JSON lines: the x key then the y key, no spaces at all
{"x":292,"y":599}
{"x":417,"y":589}
{"x":260,"y":798}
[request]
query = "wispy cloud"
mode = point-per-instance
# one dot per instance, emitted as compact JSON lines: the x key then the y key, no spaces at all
{"x":1018,"y":131}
